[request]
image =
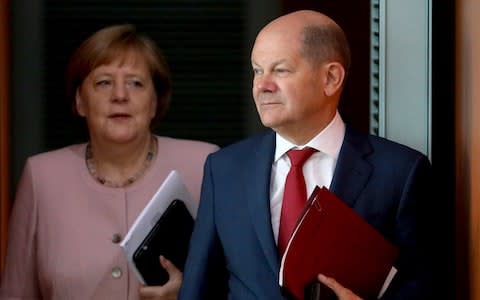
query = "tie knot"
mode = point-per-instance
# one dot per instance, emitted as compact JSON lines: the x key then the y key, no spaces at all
{"x":299,"y":157}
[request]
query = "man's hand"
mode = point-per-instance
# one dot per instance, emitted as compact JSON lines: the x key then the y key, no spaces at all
{"x":168,"y":291}
{"x":342,"y":292}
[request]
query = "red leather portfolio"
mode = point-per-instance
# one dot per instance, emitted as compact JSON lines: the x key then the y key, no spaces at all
{"x":332,"y":239}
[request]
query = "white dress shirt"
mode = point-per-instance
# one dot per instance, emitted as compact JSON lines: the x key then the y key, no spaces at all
{"x":317,"y":170}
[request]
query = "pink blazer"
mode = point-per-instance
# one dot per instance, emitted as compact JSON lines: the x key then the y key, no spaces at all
{"x":65,"y":227}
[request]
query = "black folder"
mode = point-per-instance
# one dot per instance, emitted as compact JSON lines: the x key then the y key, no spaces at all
{"x":169,"y":237}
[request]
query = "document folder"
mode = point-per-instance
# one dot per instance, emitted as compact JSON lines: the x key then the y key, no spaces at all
{"x":162,"y":228}
{"x":332,"y":239}
{"x":169,"y":237}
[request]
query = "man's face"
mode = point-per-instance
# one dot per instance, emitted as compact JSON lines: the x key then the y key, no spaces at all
{"x":287,"y":89}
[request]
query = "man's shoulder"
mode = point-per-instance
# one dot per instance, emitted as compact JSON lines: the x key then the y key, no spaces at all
{"x":250,"y":145}
{"x":382,"y":147}
{"x":391,"y":146}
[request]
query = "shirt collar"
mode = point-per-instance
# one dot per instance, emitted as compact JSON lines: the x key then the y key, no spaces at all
{"x":328,"y":141}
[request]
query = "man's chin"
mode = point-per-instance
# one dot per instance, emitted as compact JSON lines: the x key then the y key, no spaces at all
{"x":270,"y":119}
{"x":269,"y":123}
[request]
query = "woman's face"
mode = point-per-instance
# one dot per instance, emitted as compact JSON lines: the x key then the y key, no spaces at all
{"x":118,"y":100}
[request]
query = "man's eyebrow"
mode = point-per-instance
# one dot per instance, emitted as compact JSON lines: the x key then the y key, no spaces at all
{"x":273,"y":64}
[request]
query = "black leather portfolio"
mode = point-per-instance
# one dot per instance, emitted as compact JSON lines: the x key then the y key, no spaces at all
{"x":169,"y":237}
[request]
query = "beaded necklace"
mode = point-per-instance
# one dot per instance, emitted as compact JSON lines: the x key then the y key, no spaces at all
{"x":90,"y":161}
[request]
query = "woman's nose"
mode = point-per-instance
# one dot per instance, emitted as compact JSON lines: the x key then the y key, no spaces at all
{"x":119,"y":92}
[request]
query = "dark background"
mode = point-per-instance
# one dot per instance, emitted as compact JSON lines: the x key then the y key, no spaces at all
{"x":207,"y":46}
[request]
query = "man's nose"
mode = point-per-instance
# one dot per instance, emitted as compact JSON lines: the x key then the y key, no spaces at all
{"x":264,"y":83}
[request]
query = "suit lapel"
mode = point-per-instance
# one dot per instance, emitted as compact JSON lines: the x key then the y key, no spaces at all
{"x":350,"y":177}
{"x":352,"y":170}
{"x":258,"y":171}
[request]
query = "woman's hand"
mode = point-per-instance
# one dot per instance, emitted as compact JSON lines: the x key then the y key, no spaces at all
{"x":342,"y":292}
{"x":168,"y":291}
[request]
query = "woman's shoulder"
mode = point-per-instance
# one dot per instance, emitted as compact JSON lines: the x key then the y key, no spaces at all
{"x":185,"y":145}
{"x":61,"y":156}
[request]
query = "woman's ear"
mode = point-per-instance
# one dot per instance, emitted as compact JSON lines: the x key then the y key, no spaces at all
{"x":79,"y":104}
{"x":335,"y":75}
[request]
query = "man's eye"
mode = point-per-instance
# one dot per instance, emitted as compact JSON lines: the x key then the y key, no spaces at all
{"x":257,"y":71}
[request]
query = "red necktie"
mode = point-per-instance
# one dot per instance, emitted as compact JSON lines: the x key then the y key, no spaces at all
{"x":294,"y":196}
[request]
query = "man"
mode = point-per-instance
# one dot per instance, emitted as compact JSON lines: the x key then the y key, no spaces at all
{"x":300,"y":62}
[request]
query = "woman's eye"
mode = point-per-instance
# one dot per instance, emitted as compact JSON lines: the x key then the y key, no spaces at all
{"x":135,"y":83}
{"x":103,"y":82}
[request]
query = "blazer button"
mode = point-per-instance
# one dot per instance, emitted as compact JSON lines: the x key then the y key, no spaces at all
{"x":116,"y":238}
{"x":116,"y":272}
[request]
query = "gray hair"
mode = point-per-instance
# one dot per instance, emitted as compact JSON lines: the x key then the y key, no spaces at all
{"x":326,"y":42}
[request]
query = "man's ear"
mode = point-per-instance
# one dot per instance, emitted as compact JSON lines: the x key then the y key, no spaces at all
{"x":79,"y":104}
{"x":334,"y":77}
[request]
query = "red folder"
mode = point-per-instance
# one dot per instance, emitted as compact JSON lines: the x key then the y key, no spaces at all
{"x":332,"y":239}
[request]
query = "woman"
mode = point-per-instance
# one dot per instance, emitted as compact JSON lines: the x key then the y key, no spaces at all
{"x":74,"y":205}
